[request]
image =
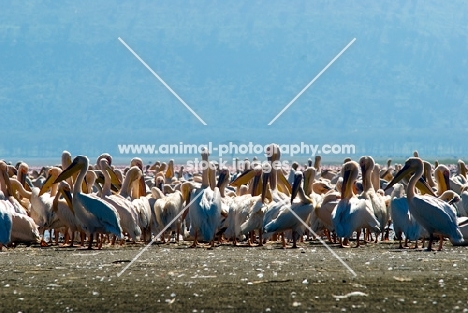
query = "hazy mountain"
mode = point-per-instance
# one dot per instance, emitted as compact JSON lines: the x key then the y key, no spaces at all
{"x":67,"y":82}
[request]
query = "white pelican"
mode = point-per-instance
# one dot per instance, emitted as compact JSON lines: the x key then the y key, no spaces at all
{"x":167,"y":208}
{"x":93,"y":214}
{"x":240,"y":205}
{"x":7,"y":190}
{"x":63,"y":208}
{"x":459,"y":180}
{"x":24,"y":230}
{"x":205,"y":211}
{"x":286,"y":219}
{"x":435,"y":215}
{"x":378,"y":202}
{"x":403,"y":221}
{"x":428,"y":174}
{"x":352,"y":214}
{"x":138,"y":187}
{"x":41,"y":206}
{"x":6,"y":222}
{"x":127,"y":213}
{"x":442,"y":178}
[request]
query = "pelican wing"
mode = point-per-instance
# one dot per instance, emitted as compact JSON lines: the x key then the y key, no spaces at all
{"x":6,"y":221}
{"x":104,"y":212}
{"x":436,"y":216}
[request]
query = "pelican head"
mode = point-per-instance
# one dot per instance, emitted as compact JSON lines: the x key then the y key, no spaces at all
{"x":106,"y":156}
{"x":273,"y":152}
{"x":159,"y":182}
{"x":137,"y":162}
{"x":6,"y":178}
{"x":412,"y":165}
{"x":297,"y":183}
{"x":52,"y":175}
{"x":79,"y":162}
{"x":350,"y":172}
{"x":23,"y":169}
{"x":205,"y":154}
{"x":65,"y":189}
{"x":170,"y":169}
{"x":317,"y":161}
{"x":442,"y":175}
{"x":66,"y":159}
{"x":246,"y":176}
{"x":309,"y":177}
{"x":224,"y":177}
{"x":367,"y":164}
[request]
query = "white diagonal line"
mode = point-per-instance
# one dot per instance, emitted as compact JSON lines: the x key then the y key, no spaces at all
{"x":321,"y":241}
{"x":312,"y":81}
{"x":158,"y":235}
{"x":162,"y":81}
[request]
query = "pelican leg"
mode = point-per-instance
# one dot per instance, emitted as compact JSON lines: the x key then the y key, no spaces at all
{"x":57,"y":235}
{"x":66,"y":238}
{"x":83,"y":236}
{"x":72,"y":238}
{"x":294,"y":246}
{"x":327,"y":233}
{"x":178,"y":233}
{"x":387,"y":232}
{"x":431,"y":239}
{"x":344,"y":242}
{"x":441,"y":242}
{"x":283,"y":240}
{"x":358,"y":235}
{"x":90,"y":244}
{"x":260,"y":237}
{"x":195,"y":242}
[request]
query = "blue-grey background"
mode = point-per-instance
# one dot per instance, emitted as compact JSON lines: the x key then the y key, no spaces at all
{"x":66,"y":81}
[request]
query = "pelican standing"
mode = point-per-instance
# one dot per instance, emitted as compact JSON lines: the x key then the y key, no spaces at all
{"x":293,"y":216}
{"x":435,"y":215}
{"x":93,"y":214}
{"x":352,"y":214}
{"x":205,"y":211}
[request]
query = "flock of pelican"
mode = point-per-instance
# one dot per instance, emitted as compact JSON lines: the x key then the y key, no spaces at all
{"x":78,"y":203}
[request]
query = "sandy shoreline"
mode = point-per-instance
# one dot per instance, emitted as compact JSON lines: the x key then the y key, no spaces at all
{"x":174,"y":278}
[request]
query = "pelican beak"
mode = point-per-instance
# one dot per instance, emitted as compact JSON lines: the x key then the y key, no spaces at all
{"x":115,"y":182}
{"x":405,"y":171}
{"x":244,"y":178}
{"x":307,"y":178}
{"x":170,"y":171}
{"x":295,"y":187}
{"x":447,"y":179}
{"x":72,"y":169}
{"x":265,"y":178}
{"x":84,"y":185}
{"x":68,"y":197}
{"x":347,"y":188}
{"x":363,"y":172}
{"x":142,"y":185}
{"x":47,"y":184}
{"x":221,"y":179}
{"x":23,"y":179}
{"x":283,"y":183}
{"x":8,"y":183}
{"x":422,"y":185}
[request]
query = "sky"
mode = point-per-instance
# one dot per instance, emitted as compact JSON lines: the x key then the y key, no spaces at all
{"x":68,"y":81}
